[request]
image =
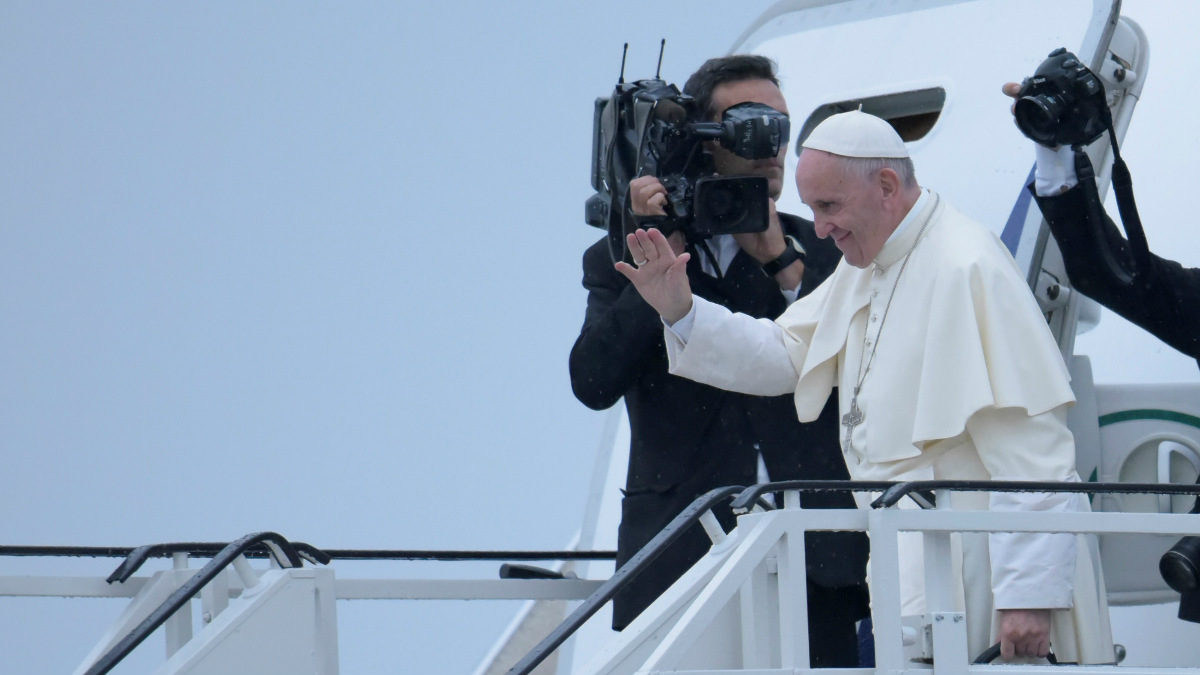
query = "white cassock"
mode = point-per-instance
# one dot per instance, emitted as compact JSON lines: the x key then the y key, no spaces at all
{"x":966,"y":383}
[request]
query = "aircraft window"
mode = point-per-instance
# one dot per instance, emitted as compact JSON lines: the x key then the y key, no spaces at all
{"x":911,"y":113}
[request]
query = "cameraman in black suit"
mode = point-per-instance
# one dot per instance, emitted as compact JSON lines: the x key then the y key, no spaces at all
{"x":1165,"y":301}
{"x":687,"y":438}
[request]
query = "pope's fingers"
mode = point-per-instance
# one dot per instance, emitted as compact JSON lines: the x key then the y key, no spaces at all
{"x":1033,"y":648}
{"x":643,"y":246}
{"x":628,"y":271}
{"x":635,"y":249}
{"x":660,"y":246}
{"x":1024,"y":647}
{"x":1011,"y":89}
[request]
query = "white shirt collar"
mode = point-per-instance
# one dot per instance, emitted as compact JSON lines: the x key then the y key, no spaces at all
{"x":910,"y":216}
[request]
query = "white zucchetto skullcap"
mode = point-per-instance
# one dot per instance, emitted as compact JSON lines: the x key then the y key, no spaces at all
{"x":856,"y":134}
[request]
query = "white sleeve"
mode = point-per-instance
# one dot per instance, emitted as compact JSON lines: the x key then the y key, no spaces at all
{"x":1029,"y":570}
{"x":682,"y":329}
{"x":731,"y":351}
{"x":1055,"y":172}
{"x":791,"y":294}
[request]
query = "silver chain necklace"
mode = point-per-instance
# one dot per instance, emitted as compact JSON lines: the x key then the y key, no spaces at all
{"x":855,"y":417}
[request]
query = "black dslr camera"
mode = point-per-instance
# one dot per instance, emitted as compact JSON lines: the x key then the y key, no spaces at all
{"x":650,"y":128}
{"x":1063,"y":103}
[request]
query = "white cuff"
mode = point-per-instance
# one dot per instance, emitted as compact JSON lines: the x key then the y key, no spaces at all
{"x":791,"y":295}
{"x":1033,"y":570}
{"x":1055,"y":172}
{"x":683,"y":327}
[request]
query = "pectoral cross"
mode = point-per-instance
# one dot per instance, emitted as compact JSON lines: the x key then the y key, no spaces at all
{"x":852,"y":418}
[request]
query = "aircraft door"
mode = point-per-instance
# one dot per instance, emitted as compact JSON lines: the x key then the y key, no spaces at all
{"x":933,"y":68}
{"x":1148,"y":434}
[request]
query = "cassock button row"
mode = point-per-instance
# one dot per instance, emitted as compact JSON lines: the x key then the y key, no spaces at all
{"x":874,"y":318}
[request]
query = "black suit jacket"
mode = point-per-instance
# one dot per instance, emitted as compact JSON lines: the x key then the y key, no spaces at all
{"x":687,"y":437}
{"x":1167,"y":305}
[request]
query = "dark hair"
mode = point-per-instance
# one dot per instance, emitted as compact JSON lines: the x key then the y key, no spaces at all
{"x":725,"y":69}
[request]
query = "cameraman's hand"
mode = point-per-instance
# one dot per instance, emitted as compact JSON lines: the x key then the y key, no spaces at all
{"x":647,"y":196}
{"x":768,"y":245}
{"x":1011,"y":89}
{"x":660,"y":275}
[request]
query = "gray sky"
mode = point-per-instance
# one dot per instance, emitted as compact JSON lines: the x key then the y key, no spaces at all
{"x":314,"y":268}
{"x":304,"y":267}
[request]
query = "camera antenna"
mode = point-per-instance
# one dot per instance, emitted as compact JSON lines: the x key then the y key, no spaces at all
{"x":661,"y":48}
{"x":624,"y":53}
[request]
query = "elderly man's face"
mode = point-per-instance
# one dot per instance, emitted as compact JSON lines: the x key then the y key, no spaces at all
{"x":845,"y":206}
{"x":728,"y":163}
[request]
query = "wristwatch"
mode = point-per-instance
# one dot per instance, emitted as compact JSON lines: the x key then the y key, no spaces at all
{"x":793,"y":252}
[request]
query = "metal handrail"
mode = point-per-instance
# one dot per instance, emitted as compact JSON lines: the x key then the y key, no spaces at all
{"x":741,"y":503}
{"x":893,"y":492}
{"x":139,"y":555}
{"x":447,"y":555}
{"x":259,"y":545}
{"x":209,"y":549}
{"x":283,"y":552}
{"x":622,"y":577}
{"x":898,"y":491}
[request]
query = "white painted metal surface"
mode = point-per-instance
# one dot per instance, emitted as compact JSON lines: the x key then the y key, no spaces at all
{"x":741,"y":609}
{"x":702,"y":623}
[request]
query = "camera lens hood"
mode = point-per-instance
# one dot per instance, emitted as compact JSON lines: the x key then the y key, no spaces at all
{"x":1180,"y":566}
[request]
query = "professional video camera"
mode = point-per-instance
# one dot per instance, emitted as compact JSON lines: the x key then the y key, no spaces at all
{"x":1063,"y":103}
{"x":649,"y":127}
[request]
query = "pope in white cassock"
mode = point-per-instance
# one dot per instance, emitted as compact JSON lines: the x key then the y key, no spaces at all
{"x":945,"y":369}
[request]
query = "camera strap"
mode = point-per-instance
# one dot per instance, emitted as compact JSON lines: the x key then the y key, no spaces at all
{"x":1086,"y":175}
{"x":702,"y":245}
{"x":1123,"y":189}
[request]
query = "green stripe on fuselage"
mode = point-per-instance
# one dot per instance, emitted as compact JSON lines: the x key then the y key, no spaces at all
{"x":1149,"y":414}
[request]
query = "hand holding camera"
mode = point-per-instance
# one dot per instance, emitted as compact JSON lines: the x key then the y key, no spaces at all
{"x":1064,"y":104}
{"x":648,"y":197}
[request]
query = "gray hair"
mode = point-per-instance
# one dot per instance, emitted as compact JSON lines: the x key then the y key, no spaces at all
{"x":868,"y":168}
